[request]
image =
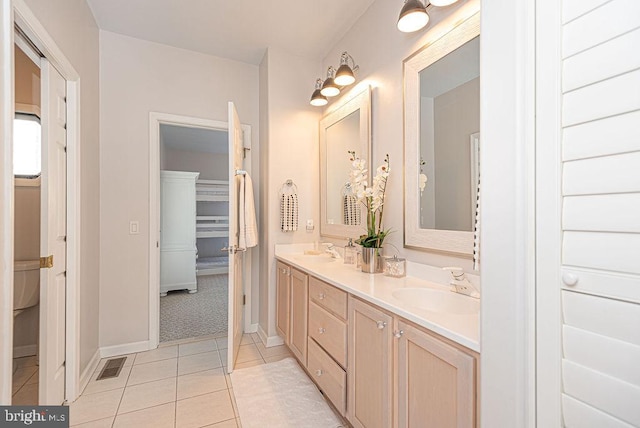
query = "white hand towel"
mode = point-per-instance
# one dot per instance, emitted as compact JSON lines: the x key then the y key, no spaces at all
{"x":247,"y":222}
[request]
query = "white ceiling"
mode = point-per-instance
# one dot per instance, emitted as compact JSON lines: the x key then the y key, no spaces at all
{"x":235,"y":29}
{"x":194,"y":139}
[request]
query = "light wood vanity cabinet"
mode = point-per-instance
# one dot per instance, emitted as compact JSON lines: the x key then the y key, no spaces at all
{"x":283,"y":296}
{"x":298,"y":315}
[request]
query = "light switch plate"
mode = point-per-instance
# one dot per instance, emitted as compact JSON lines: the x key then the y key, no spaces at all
{"x":134,"y":227}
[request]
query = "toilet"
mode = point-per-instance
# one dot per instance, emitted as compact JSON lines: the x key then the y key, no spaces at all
{"x":26,"y":285}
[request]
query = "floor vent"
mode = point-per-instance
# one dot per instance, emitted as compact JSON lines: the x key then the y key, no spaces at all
{"x":112,"y":368}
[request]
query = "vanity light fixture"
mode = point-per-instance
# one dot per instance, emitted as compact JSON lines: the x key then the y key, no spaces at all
{"x":335,"y":81}
{"x":414,"y":16}
{"x":329,"y":87}
{"x":345,"y":74}
{"x":317,"y":99}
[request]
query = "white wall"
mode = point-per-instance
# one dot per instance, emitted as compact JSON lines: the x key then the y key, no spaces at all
{"x":291,"y":136}
{"x":138,"y":77}
{"x":380,"y":49}
{"x":71,"y":25}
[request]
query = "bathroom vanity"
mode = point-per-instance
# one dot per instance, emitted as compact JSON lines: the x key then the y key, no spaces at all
{"x":384,"y":351}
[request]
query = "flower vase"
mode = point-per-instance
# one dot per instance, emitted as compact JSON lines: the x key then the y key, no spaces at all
{"x":372,"y":261}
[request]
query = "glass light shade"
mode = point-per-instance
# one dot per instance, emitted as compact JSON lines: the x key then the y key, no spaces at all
{"x":344,"y":75}
{"x":442,"y":2}
{"x":413,"y":17}
{"x":330,"y":88}
{"x":317,"y":99}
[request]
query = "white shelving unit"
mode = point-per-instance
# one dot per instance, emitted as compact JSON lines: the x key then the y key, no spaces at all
{"x":211,"y":226}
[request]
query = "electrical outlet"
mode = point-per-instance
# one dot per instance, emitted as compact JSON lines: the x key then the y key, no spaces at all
{"x":310,"y":224}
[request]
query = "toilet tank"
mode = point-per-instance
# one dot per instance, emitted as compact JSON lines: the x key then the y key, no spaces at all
{"x":26,"y":284}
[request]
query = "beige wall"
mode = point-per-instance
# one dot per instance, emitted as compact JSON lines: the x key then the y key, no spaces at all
{"x":27,"y":80}
{"x":457,"y":116}
{"x":290,"y":131}
{"x":139,"y":77}
{"x":210,"y":166}
{"x":379,"y":48}
{"x":71,"y":25}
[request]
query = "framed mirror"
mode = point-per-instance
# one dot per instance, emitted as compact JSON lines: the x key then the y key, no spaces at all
{"x":442,"y":141}
{"x":344,"y":129}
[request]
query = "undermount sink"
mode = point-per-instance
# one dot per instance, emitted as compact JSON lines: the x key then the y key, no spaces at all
{"x":442,"y":301}
{"x":316,"y":258}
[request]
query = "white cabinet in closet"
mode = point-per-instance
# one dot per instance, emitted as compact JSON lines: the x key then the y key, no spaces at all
{"x":178,"y":231}
{"x":211,"y":195}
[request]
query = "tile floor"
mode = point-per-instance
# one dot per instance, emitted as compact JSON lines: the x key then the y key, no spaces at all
{"x":182,"y":384}
{"x":25,"y":382}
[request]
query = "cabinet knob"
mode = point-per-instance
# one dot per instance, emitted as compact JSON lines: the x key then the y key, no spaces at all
{"x":381,"y":325}
{"x":321,"y":330}
{"x":398,"y":334}
{"x":319,"y":372}
{"x":569,"y":279}
{"x":321,"y":296}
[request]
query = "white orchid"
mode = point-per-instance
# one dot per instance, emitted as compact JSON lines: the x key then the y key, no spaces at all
{"x":371,"y":196}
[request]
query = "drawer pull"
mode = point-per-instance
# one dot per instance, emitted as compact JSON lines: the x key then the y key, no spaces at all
{"x":321,"y":296}
{"x":381,"y":325}
{"x":398,"y":334}
{"x":319,"y":372}
{"x":321,"y":330}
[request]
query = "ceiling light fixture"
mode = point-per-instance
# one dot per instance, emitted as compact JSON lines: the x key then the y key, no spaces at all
{"x":414,"y":16}
{"x":329,"y":87}
{"x":335,"y":81}
{"x":317,"y":99}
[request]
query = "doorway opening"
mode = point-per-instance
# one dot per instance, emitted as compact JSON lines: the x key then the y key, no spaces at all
{"x":194,"y":232}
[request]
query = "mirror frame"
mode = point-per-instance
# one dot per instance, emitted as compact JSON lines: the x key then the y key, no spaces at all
{"x":354,"y":101}
{"x":450,"y":241}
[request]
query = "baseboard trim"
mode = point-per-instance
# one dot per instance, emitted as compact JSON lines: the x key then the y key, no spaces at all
{"x":127,"y":348}
{"x":269,"y":341}
{"x":88,"y":371}
{"x":253,"y":328}
{"x":25,"y":351}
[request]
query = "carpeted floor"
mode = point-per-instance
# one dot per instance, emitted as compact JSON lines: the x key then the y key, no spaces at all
{"x":280,"y":395}
{"x":184,"y":315}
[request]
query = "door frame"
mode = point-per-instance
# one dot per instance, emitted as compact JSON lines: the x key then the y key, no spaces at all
{"x":155,"y":120}
{"x":16,"y":12}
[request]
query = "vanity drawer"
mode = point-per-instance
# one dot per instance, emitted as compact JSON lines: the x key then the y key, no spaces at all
{"x":329,"y":331}
{"x":328,"y":375}
{"x":329,"y":297}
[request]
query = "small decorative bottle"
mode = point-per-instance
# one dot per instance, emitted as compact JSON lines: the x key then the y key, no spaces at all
{"x":350,"y":253}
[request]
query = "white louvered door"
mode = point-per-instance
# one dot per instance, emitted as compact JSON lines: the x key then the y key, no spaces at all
{"x":588,"y":214}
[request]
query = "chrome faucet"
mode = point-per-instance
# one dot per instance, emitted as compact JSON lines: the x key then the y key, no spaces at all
{"x":331,"y":249}
{"x":460,"y":283}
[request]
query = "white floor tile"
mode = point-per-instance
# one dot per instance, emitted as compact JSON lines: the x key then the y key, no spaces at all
{"x":200,"y":383}
{"x":272,"y":351}
{"x":255,"y":338}
{"x":246,"y":340}
{"x":251,"y":363}
{"x":277,"y":358}
{"x":107,"y":384}
{"x":231,"y":423}
{"x":222,"y":342}
{"x":198,"y":347}
{"x":198,"y":362}
{"x":162,"y":416}
{"x":94,"y":406}
{"x":101,"y":423}
{"x":223,"y":357}
{"x":157,"y":354}
{"x":35,"y":378}
{"x":149,"y":394}
{"x":21,"y":376}
{"x":204,"y":410}
{"x":150,"y":372}
{"x":248,"y":353}
{"x":30,"y":361}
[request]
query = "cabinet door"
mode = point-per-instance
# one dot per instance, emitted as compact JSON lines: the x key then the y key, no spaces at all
{"x":436,"y":382}
{"x":369,"y":366}
{"x":298,"y":326}
{"x":283,"y":296}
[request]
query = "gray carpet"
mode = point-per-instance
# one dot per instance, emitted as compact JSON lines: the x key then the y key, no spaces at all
{"x":184,"y":315}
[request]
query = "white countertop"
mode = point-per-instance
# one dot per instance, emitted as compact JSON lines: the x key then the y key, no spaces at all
{"x":378,"y":289}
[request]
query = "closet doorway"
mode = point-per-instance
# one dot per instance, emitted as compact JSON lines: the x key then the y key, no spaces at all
{"x":189,"y":213}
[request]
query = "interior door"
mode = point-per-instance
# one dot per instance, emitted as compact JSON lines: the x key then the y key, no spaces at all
{"x":236,"y":255}
{"x":53,"y":232}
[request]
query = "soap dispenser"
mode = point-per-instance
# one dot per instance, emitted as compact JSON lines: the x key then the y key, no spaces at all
{"x":350,"y":253}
